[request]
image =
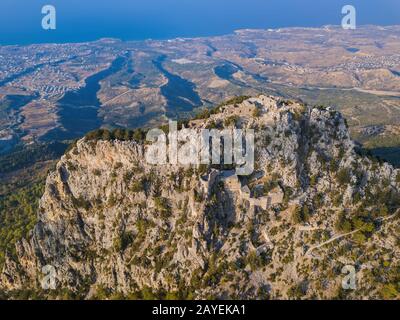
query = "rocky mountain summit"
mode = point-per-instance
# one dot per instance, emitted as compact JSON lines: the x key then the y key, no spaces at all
{"x":112,"y":225}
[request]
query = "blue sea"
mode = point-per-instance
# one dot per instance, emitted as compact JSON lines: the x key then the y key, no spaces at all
{"x":85,"y":20}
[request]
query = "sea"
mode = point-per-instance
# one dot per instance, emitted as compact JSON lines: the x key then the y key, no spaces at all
{"x":89,"y":20}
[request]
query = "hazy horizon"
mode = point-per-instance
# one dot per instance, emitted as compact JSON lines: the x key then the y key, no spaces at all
{"x":77,"y":21}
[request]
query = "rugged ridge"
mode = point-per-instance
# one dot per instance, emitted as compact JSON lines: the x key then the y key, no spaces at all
{"x":109,"y":223}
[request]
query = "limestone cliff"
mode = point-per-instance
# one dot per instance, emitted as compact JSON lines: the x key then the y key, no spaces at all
{"x":110,"y":222}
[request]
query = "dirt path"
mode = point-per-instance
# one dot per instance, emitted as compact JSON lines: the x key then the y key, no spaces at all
{"x":311,"y":249}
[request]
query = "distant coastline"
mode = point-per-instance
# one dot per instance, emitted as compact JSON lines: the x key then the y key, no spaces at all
{"x":80,"y":21}
{"x":116,"y":39}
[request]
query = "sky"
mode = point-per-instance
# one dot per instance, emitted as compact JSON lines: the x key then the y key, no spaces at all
{"x":84,"y":20}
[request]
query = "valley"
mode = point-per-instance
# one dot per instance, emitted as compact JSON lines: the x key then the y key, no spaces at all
{"x":76,"y":88}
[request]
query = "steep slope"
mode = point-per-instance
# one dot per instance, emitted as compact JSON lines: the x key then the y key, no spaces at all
{"x":111,"y":224}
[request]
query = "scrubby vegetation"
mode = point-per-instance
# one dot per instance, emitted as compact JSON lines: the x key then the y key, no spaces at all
{"x":18,"y":216}
{"x":23,"y":173}
{"x":301,"y":214}
{"x":155,"y":231}
{"x":138,"y":135}
{"x":23,"y":157}
{"x":206,"y":113}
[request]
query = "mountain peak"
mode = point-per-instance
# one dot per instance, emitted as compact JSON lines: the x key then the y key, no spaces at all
{"x":109,"y":222}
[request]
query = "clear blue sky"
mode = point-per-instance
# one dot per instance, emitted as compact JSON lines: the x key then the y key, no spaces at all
{"x":79,"y":20}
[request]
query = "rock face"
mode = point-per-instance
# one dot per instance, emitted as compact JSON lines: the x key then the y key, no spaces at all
{"x":109,"y":221}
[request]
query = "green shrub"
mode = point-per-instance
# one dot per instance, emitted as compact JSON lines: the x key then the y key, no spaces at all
{"x":137,"y":186}
{"x":301,"y":214}
{"x":81,"y":202}
{"x":235,"y":100}
{"x":256,"y":112}
{"x":162,"y":204}
{"x":123,"y":241}
{"x":269,"y":186}
{"x":343,"y":224}
{"x":389,"y":292}
{"x":203,"y":114}
{"x":231,"y":121}
{"x":344,"y":176}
